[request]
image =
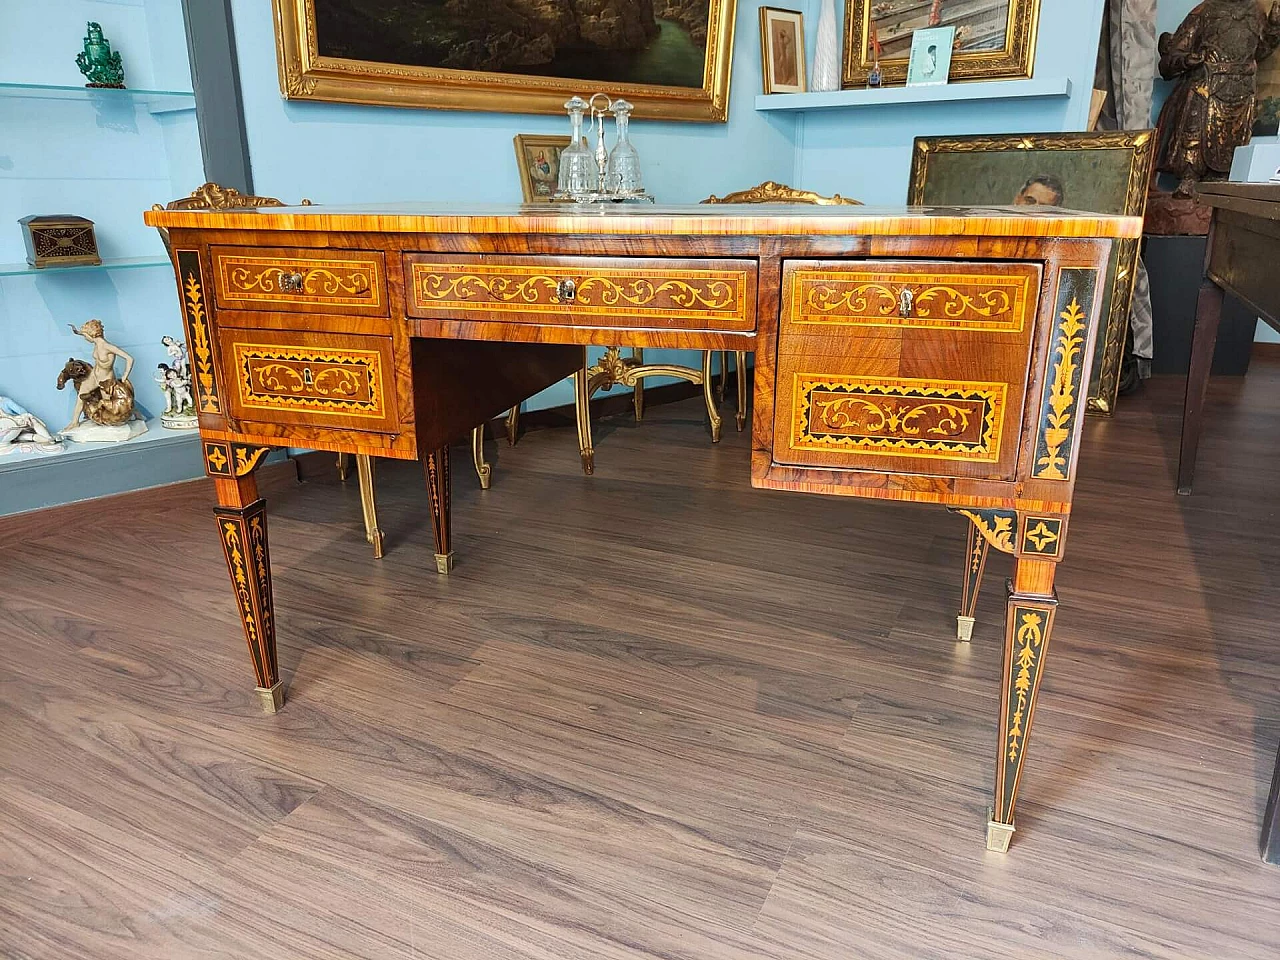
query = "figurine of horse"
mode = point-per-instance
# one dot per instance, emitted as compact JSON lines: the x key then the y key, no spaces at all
{"x":109,"y":403}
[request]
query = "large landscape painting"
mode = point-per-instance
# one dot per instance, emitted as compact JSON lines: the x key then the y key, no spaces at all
{"x":670,"y":56}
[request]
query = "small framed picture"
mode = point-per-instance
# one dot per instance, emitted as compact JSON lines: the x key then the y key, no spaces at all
{"x":782,"y":50}
{"x":930,"y":56}
{"x":539,"y":161}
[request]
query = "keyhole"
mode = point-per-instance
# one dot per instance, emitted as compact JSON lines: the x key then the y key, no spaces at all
{"x":906,"y":302}
{"x":567,"y":291}
{"x":307,"y":377}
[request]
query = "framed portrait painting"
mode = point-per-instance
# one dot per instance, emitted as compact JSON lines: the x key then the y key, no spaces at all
{"x":782,"y":50}
{"x":539,"y":161}
{"x":671,"y":59}
{"x":995,"y":39}
{"x":1095,"y":172}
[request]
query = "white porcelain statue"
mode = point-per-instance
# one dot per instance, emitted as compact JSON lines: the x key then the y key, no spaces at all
{"x":174,"y":380}
{"x":21,"y":430}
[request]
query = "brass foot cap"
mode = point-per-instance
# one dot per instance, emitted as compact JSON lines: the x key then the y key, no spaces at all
{"x":588,"y":462}
{"x":998,"y":836}
{"x":485,"y":480}
{"x":742,"y":423}
{"x":964,"y":629}
{"x":272,"y":696}
{"x":444,"y":562}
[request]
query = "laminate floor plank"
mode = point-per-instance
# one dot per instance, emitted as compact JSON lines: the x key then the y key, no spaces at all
{"x":653,"y":713}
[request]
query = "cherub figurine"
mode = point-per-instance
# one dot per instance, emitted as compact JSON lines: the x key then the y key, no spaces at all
{"x":175,"y":382}
{"x":100,"y":396}
{"x":19,"y":425}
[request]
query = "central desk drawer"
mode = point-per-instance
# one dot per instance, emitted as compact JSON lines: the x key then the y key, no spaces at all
{"x":341,"y":381}
{"x":352,"y":282}
{"x":584,"y":291}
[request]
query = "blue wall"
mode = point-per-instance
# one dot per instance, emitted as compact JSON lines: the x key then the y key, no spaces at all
{"x":866,"y":153}
{"x":107,"y":161}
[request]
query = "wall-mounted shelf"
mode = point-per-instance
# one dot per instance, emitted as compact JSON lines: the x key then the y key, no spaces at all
{"x":898,"y":96}
{"x":124,"y":263}
{"x":156,"y":101}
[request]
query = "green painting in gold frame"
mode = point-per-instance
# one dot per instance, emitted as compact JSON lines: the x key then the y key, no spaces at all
{"x":1099,"y":172}
{"x":996,"y":41}
{"x":407,"y":53}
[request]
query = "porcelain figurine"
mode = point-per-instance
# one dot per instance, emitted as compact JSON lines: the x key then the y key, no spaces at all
{"x":22,"y":430}
{"x":174,"y":380}
{"x":105,"y":400}
{"x":101,"y":67}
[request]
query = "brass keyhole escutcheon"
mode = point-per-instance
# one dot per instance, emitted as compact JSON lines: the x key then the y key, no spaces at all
{"x":291,"y":282}
{"x":307,"y":377}
{"x":567,"y":291}
{"x":906,"y":303}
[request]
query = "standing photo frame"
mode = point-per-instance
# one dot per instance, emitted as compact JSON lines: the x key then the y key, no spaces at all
{"x":1099,"y":172}
{"x":931,"y":51}
{"x":538,"y":159}
{"x":995,"y":41}
{"x":782,"y":50}
{"x":485,"y":57}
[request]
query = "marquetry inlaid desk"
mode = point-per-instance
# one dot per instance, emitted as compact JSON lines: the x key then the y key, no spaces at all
{"x":933,"y":355}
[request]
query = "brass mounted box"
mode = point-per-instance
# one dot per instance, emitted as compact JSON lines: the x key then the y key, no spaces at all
{"x":60,"y":240}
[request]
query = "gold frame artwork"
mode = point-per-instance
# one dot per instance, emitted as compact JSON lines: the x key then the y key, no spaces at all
{"x":523,"y":141}
{"x":1140,"y":145}
{"x":1014,"y":61}
{"x":306,"y":75}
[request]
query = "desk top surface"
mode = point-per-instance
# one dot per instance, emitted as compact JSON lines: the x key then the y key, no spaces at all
{"x":645,"y":219}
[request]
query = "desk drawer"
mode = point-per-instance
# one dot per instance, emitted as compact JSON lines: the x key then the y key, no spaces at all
{"x":300,"y":280}
{"x":585,"y":291}
{"x":317,"y":379}
{"x":929,"y":383}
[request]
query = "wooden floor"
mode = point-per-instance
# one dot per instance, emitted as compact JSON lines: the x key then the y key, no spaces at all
{"x":653,"y":713}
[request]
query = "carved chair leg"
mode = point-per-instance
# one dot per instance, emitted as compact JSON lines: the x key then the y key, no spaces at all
{"x":637,"y":389}
{"x":582,"y":407}
{"x":242,"y":529}
{"x":483,"y":470}
{"x":974,"y":567}
{"x":344,"y":467}
{"x":1032,"y":604}
{"x":369,"y":503}
{"x":740,"y":365}
{"x":708,"y":392}
{"x":513,"y":425}
{"x":436,"y":467}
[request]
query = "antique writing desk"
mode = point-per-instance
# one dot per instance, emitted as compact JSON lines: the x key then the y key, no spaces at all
{"x":934,"y":355}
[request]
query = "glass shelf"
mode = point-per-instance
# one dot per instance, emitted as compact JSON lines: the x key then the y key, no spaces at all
{"x":125,"y":263}
{"x":157,"y":101}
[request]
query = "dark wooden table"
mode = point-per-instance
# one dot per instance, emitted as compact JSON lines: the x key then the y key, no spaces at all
{"x":1243,"y":259}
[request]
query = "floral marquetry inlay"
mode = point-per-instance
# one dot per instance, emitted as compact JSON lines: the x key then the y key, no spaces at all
{"x":251,"y":280}
{"x":347,"y":382}
{"x":1060,"y":406}
{"x":896,"y":415}
{"x":908,"y":298}
{"x":502,"y":288}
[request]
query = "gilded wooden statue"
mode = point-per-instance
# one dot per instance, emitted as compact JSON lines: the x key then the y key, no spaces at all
{"x":1214,"y":57}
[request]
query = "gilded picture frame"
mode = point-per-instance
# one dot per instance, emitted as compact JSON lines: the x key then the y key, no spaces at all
{"x":1013,"y":59}
{"x":1101,"y":172}
{"x":306,"y":74}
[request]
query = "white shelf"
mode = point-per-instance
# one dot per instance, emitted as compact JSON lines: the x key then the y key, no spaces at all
{"x":900,"y":96}
{"x":76,"y":450}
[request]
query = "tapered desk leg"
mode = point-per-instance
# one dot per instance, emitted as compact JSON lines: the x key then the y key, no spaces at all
{"x":975,"y":564}
{"x":437,"y":471}
{"x":740,"y":365}
{"x":582,"y":406}
{"x":242,"y":529}
{"x":709,"y":394}
{"x":369,"y":503}
{"x":1032,"y":604}
{"x":1204,"y":338}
